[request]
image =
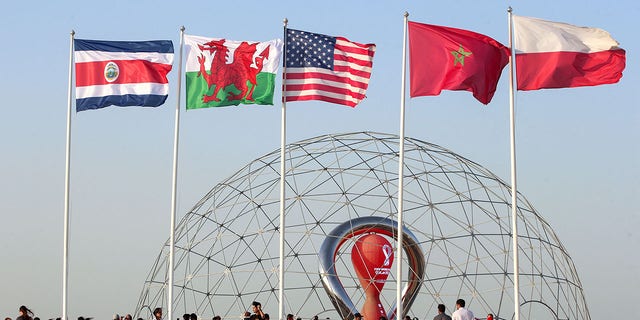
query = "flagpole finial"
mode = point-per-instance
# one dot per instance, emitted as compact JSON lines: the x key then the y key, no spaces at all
{"x":509,"y":9}
{"x":182,"y":28}
{"x":73,"y":32}
{"x":285,"y":21}
{"x":406,"y":14}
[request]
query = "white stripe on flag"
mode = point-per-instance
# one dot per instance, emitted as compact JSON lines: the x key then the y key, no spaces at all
{"x":335,"y":84}
{"x":192,"y":52}
{"x":93,"y":56}
{"x":363,"y":47}
{"x":537,"y":35}
{"x":303,"y":93}
{"x":345,"y":75}
{"x":121,"y":89}
{"x":355,"y":56}
{"x":353,"y":66}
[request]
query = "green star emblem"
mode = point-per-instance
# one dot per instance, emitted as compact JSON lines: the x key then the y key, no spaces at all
{"x":458,"y":56}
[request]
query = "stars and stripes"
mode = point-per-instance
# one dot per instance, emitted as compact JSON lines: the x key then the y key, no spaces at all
{"x":326,"y":68}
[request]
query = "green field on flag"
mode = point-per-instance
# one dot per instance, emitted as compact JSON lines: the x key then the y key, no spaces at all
{"x":197,"y":87}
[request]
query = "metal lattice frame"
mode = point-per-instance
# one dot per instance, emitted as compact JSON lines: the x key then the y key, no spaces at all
{"x":227,"y":245}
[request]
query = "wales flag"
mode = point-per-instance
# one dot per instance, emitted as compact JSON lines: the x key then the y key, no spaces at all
{"x":221,"y":72}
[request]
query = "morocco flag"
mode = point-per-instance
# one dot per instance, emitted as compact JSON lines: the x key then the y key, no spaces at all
{"x":221,"y":72}
{"x":443,"y":58}
{"x":559,"y":55}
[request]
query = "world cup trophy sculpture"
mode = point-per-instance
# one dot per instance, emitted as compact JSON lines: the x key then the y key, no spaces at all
{"x":372,"y":256}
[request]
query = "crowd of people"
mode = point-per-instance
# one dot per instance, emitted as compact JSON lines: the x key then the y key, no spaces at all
{"x":461,"y":313}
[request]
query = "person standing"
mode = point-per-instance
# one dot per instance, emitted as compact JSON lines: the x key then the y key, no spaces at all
{"x":461,"y":312}
{"x":25,"y":313}
{"x":257,"y":309}
{"x":441,"y":315}
{"x":157,"y":313}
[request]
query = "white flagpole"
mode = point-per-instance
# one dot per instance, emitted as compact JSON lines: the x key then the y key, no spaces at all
{"x":401,"y":174}
{"x":174,"y":187}
{"x":514,"y":192}
{"x":283,"y":129}
{"x":65,"y":253}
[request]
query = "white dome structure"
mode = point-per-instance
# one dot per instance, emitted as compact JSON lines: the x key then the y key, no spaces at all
{"x":227,"y":246}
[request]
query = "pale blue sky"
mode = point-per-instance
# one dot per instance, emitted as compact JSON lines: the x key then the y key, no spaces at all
{"x":578,"y":153}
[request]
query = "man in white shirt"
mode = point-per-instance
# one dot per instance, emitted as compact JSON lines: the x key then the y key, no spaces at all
{"x":461,"y":313}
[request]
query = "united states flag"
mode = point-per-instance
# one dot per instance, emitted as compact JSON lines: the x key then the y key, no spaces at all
{"x":326,"y":68}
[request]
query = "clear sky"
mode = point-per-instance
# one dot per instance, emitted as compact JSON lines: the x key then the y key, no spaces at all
{"x":578,"y":151}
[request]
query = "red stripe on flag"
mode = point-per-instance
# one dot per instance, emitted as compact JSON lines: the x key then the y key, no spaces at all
{"x":368,"y":51}
{"x":353,"y":60}
{"x":322,"y":98}
{"x":568,"y":69}
{"x":326,"y":88}
{"x":130,"y":71}
{"x":368,"y":46}
{"x":353,"y":72}
{"x":329,"y":77}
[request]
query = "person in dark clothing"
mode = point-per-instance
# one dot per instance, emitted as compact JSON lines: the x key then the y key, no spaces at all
{"x":257,"y":310}
{"x":25,"y":313}
{"x":441,"y":315}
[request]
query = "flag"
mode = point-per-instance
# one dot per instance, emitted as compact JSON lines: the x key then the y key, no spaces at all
{"x":326,"y":68}
{"x":121,"y":73}
{"x":559,"y":55}
{"x":221,"y":72}
{"x":444,"y":58}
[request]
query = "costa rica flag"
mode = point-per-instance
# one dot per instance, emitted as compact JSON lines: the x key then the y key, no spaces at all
{"x":121,"y":73}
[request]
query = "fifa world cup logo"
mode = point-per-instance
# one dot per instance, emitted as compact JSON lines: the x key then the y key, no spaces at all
{"x":372,"y":257}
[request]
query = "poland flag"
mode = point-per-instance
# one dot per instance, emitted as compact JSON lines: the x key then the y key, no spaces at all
{"x":559,"y":55}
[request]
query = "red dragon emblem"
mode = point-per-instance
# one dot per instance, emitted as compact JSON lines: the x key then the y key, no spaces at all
{"x":244,"y":68}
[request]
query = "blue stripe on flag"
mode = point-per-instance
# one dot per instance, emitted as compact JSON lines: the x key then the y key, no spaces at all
{"x":128,"y":100}
{"x":160,"y":46}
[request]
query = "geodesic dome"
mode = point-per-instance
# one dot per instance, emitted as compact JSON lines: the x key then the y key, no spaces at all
{"x":227,"y":246}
